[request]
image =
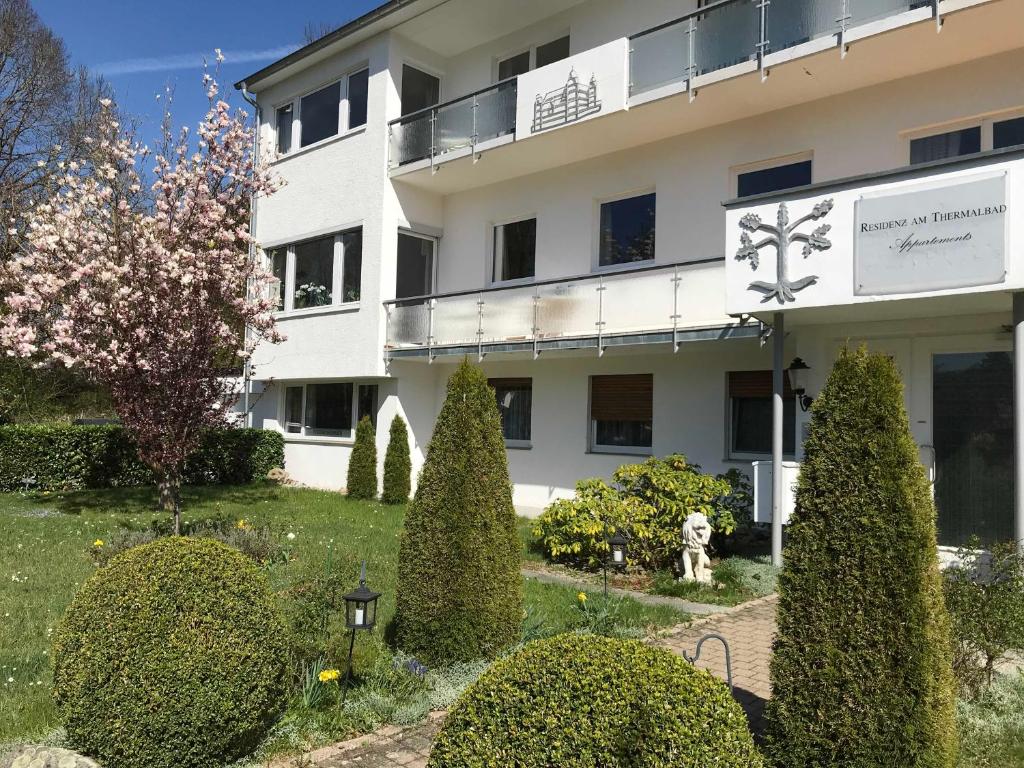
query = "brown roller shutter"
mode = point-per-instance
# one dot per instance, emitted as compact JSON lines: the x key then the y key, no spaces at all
{"x":622,"y":398}
{"x":755,"y":384}
{"x":509,"y":383}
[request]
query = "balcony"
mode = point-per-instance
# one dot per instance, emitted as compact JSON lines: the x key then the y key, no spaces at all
{"x":636,"y":90}
{"x":649,"y":305}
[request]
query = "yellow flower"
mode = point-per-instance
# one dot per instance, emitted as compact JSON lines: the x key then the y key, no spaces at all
{"x":582,"y":597}
{"x":242,"y":525}
{"x":328,"y":675}
{"x":98,"y":543}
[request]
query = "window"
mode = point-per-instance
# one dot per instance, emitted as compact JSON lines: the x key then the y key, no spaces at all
{"x":514,"y":65}
{"x":515,"y":403}
{"x":419,"y":90}
{"x":773,"y":179}
{"x":328,"y":409}
{"x":285,"y":116}
{"x":621,"y":413}
{"x":319,"y":111}
{"x":627,"y":231}
{"x":415,"y":268}
{"x":554,"y":51}
{"x":1008,"y":133}
{"x":322,"y":272}
{"x":750,"y":415}
{"x":515,"y":249}
{"x":326,"y":112}
{"x":939,"y":146}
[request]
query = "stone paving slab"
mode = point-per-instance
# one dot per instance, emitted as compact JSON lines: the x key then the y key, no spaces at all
{"x":749,"y":630}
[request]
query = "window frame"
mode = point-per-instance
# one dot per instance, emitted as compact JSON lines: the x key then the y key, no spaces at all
{"x":303,"y":434}
{"x":736,"y":171}
{"x":337,"y":276}
{"x":626,"y":450}
{"x":985,"y":122}
{"x":509,"y":443}
{"x":733,"y":455}
{"x":596,"y":266}
{"x":344,"y":112}
{"x":425,"y":70}
{"x":433,"y":264}
{"x":531,"y":49}
{"x":494,"y":272}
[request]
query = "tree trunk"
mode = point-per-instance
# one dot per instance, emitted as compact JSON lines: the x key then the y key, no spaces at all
{"x":170,"y":498}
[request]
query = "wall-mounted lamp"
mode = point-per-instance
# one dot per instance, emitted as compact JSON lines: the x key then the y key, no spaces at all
{"x":798,"y":373}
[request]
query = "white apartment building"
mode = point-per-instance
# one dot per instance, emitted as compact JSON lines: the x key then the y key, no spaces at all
{"x":619,"y":210}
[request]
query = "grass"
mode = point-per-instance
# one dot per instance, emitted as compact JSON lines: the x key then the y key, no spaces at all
{"x":992,"y":728}
{"x":45,"y":541}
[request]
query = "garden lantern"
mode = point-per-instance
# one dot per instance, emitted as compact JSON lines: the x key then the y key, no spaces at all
{"x":361,"y":605}
{"x":618,"y":548}
{"x":798,"y":373}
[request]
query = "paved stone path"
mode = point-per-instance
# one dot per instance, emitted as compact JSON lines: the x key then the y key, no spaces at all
{"x":749,"y":630}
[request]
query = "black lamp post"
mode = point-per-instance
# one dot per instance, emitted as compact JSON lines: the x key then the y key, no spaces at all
{"x":618,"y":551}
{"x":360,"y":613}
{"x":798,"y":372}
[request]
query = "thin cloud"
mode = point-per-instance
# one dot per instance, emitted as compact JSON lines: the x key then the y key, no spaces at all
{"x":188,"y":61}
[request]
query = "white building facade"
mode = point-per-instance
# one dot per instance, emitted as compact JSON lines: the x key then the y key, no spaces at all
{"x":584,"y":197}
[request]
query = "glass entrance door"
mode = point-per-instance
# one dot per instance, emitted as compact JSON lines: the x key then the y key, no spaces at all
{"x":973,"y":436}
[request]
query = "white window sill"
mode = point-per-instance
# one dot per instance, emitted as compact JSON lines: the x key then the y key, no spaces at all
{"x":516,"y":282}
{"x":750,"y":457}
{"x":621,"y":450}
{"x":627,"y":267}
{"x":291,"y":437}
{"x":518,"y":445}
{"x":279,"y":158}
{"x":329,"y":309}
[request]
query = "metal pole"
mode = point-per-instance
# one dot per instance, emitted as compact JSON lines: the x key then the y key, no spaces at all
{"x":778,"y":358}
{"x":348,"y":668}
{"x":1018,"y":416}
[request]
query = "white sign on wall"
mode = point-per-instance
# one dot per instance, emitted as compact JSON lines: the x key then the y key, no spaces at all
{"x":932,"y":237}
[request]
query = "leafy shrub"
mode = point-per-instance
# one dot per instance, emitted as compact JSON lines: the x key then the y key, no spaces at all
{"x":738,"y":503}
{"x":313,"y":607}
{"x":992,"y":726}
{"x":459,"y":594}
{"x":755,"y":575}
{"x":173,"y":655}
{"x":73,"y":457}
{"x":861,"y":671}
{"x":650,"y":502}
{"x":44,"y":757}
{"x":362,"y":464}
{"x":397,"y":465}
{"x":985,"y":598}
{"x":583,"y":700}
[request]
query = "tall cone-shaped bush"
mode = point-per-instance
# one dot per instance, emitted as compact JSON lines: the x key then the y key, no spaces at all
{"x":397,"y":465}
{"x":362,"y":464}
{"x":861,"y":674}
{"x":459,"y":589}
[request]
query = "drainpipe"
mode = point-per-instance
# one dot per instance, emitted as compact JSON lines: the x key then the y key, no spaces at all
{"x":1018,"y":416}
{"x":778,"y":392}
{"x":247,"y":368}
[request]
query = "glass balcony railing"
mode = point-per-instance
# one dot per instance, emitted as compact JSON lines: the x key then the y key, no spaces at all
{"x":734,"y":31}
{"x":648,"y":299}
{"x":460,"y":124}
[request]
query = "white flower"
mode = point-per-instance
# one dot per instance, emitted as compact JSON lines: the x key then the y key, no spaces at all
{"x":220,"y":56}
{"x":291,"y":537}
{"x":10,"y":679}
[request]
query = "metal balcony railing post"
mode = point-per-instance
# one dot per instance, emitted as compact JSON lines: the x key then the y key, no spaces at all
{"x":691,"y":69}
{"x":480,"y":328}
{"x":676,"y":279}
{"x":387,"y":335}
{"x":391,"y":146}
{"x":762,"y":44}
{"x":433,"y":139}
{"x":937,"y":15}
{"x":843,"y":21}
{"x":600,"y":317}
{"x":536,"y":322}
{"x":475,"y":135}
{"x":430,"y":329}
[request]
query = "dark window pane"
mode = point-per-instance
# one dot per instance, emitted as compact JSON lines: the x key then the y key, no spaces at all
{"x":972,"y":406}
{"x":752,"y":425}
{"x":1008,"y":133}
{"x":329,"y":409}
{"x":319,"y":114}
{"x":358,"y":93}
{"x":515,"y":404}
{"x":367,"y":402}
{"x":314,"y":273}
{"x":515,"y":248}
{"x":514,"y":66}
{"x":284,"y":128}
{"x":943,"y":145}
{"x":774,"y":179}
{"x":627,"y":231}
{"x":352,"y":271}
{"x":623,"y":434}
{"x":419,"y":90}
{"x":554,"y":51}
{"x":278,"y":268}
{"x":415,"y":268}
{"x":293,"y":410}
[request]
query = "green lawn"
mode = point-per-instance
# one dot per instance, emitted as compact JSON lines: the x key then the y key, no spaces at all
{"x":44,"y":555}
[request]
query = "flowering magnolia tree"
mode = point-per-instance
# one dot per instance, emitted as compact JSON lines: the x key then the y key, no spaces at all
{"x":147,"y":288}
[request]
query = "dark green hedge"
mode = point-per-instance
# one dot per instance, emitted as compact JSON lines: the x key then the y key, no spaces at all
{"x":582,"y":701}
{"x":72,"y":457}
{"x":397,"y":465}
{"x":172,"y":656}
{"x":362,"y":464}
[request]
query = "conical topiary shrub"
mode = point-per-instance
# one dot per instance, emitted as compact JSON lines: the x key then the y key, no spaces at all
{"x":397,"y":465}
{"x":861,"y":673}
{"x":362,"y":465}
{"x":459,"y":590}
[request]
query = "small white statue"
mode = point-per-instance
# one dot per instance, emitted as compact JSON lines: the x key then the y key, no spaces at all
{"x":696,"y":536}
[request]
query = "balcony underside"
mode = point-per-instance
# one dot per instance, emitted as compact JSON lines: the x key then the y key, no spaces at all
{"x":901,"y":46}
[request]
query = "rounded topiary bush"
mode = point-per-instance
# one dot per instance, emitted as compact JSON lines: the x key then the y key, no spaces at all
{"x":171,"y":656}
{"x":45,"y":757}
{"x":585,"y":700}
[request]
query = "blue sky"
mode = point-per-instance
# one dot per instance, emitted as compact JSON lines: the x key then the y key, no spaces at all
{"x":142,"y":46}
